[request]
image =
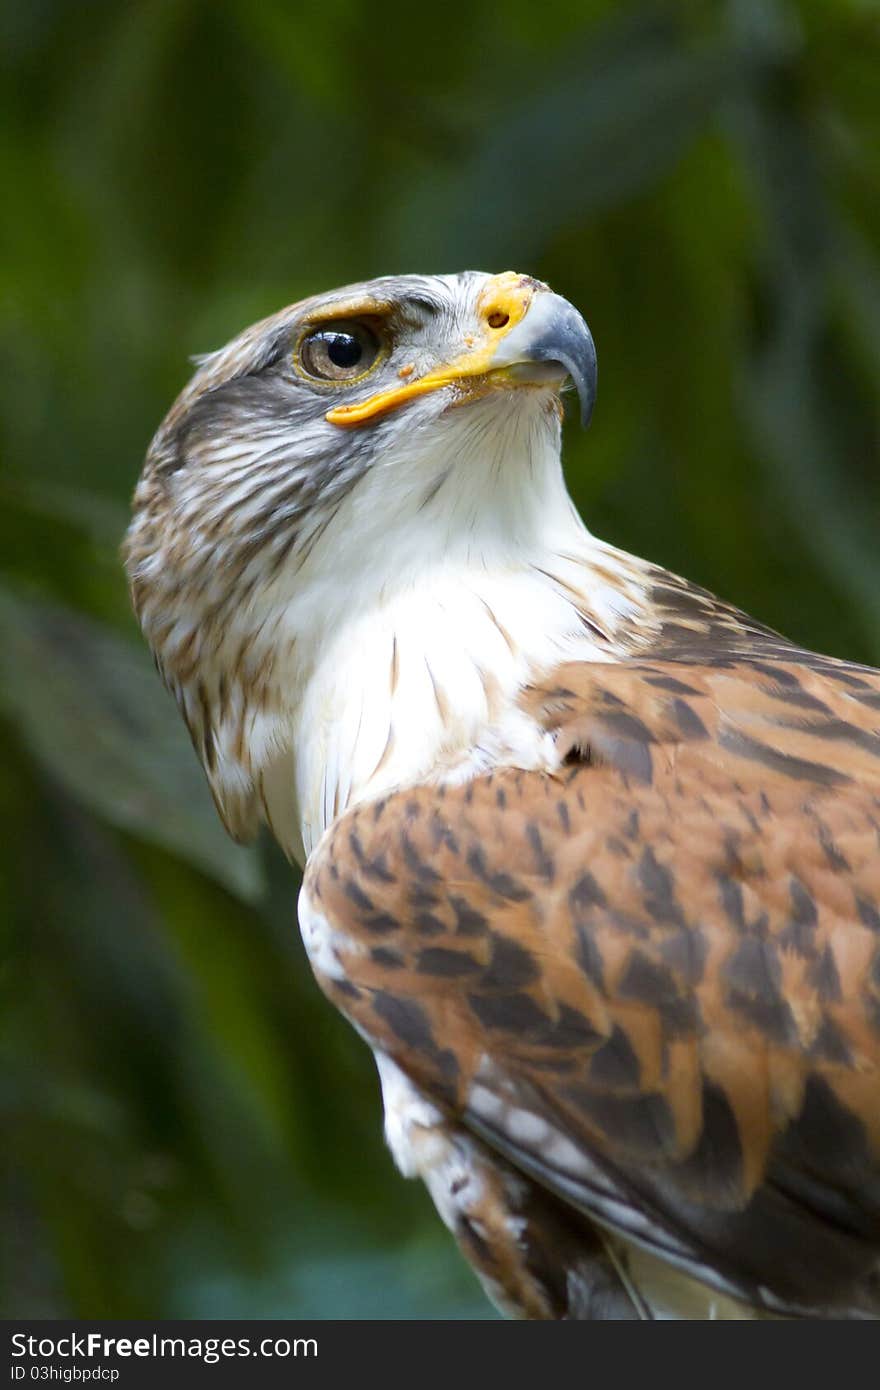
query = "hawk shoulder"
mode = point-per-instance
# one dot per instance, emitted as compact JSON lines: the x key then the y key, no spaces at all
{"x":649,"y":982}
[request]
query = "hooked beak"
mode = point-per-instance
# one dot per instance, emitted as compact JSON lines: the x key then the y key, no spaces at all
{"x":527,"y":336}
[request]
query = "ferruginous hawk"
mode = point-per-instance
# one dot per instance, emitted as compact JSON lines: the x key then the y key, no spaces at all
{"x":592,"y":859}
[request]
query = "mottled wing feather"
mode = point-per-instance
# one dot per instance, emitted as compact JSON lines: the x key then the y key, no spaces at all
{"x":652,"y":981}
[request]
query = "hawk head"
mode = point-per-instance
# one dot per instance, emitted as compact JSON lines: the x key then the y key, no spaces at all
{"x":324,"y":456}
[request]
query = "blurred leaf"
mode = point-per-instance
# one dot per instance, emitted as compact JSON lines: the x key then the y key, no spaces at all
{"x":62,"y":543}
{"x":100,"y":517}
{"x":422,"y":1280}
{"x":805,"y":413}
{"x":605,"y":124}
{"x":92,"y":709}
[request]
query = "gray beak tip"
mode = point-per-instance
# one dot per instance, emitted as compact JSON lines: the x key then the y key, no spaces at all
{"x":554,"y":331}
{"x":586,"y":384}
{"x":564,"y":337}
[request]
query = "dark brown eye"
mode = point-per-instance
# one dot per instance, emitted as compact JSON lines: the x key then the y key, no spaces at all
{"x":338,"y":351}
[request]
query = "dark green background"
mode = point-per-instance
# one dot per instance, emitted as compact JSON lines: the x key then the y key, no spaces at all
{"x":189,"y":1129}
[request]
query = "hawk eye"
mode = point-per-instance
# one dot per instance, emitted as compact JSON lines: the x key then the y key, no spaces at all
{"x":338,"y":352}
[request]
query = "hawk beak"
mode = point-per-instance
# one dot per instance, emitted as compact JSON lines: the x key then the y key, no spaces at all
{"x":552,"y":335}
{"x":527,"y":336}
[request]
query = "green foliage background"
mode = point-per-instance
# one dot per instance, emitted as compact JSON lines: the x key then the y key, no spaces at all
{"x":188,"y":1128}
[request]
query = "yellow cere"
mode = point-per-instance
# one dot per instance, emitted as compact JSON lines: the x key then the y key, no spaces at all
{"x":503,"y":303}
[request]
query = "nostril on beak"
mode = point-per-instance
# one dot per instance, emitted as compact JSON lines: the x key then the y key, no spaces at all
{"x":498,"y":319}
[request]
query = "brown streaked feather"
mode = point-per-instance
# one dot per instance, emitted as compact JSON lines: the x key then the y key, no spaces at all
{"x":666,"y":957}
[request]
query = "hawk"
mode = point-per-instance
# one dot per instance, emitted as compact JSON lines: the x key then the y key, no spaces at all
{"x":592,"y":859}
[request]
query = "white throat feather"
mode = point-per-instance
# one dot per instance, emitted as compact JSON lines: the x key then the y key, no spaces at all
{"x":475,"y":575}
